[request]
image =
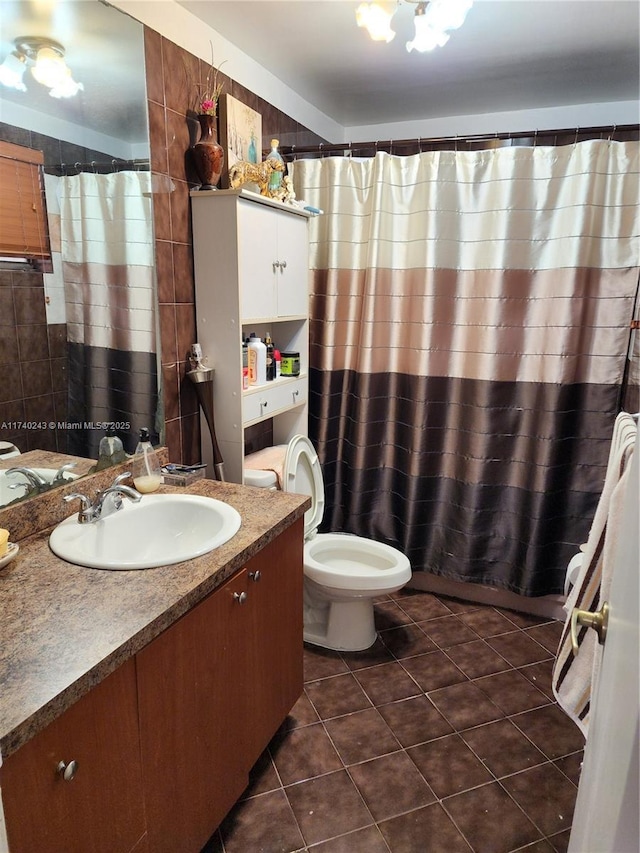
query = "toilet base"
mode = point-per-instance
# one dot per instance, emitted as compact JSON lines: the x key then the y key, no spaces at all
{"x":344,"y":626}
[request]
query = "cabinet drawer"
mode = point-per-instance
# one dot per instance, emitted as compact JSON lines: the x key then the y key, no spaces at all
{"x":269,"y":400}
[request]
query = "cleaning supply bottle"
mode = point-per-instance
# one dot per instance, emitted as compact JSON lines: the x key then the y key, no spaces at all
{"x":110,"y":450}
{"x":257,"y":360}
{"x":275,"y":178}
{"x":245,"y":366}
{"x":271,"y":365}
{"x":145,"y":466}
{"x":277,"y":359}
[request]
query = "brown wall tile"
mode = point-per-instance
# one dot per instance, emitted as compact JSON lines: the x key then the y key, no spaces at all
{"x":172,"y":133}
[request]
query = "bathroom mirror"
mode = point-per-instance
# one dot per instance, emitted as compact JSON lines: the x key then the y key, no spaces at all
{"x":79,"y":347}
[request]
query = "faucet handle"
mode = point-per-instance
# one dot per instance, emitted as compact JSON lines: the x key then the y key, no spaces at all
{"x":126,"y":475}
{"x":84,"y":500}
{"x":59,"y":475}
{"x":84,"y":512}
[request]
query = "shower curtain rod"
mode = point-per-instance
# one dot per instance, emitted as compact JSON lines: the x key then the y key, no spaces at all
{"x":104,"y":166}
{"x":573,"y":134}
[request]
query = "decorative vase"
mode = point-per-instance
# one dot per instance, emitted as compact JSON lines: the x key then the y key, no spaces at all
{"x":208,"y":154}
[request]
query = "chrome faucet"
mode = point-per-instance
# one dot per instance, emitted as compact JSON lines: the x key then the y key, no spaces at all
{"x":106,"y":502}
{"x":35,"y":480}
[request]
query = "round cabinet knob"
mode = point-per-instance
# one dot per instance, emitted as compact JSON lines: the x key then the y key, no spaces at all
{"x":283,"y":265}
{"x":67,"y":771}
{"x":240,"y":597}
{"x":255,"y":576}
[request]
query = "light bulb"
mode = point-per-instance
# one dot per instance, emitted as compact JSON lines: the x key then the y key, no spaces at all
{"x":66,"y":89}
{"x":426,"y":37}
{"x":435,"y":20}
{"x":50,"y":68}
{"x":376,"y":18}
{"x":12,"y":71}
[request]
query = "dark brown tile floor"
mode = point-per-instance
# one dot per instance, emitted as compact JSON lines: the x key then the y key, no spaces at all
{"x":443,"y":737}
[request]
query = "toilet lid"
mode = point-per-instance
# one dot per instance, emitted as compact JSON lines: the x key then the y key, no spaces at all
{"x":302,"y":475}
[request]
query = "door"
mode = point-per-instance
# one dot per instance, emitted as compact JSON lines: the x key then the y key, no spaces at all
{"x":275,"y":601}
{"x":606,"y":815}
{"x":96,"y":806}
{"x":191,"y":695}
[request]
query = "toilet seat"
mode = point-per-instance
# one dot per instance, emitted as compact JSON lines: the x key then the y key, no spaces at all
{"x":301,"y":473}
{"x":346,"y":562}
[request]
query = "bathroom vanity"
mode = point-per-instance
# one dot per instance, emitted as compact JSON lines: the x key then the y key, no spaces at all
{"x":134,"y":704}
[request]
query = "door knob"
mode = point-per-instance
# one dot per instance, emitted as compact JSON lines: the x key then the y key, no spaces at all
{"x":67,"y":771}
{"x":598,"y":621}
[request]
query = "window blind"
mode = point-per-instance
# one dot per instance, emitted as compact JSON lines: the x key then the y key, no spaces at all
{"x":24,"y":229}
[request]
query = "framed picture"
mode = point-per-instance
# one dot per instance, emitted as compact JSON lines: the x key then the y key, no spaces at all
{"x":240,"y":134}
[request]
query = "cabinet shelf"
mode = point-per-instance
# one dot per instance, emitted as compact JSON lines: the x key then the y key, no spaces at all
{"x":274,"y":383}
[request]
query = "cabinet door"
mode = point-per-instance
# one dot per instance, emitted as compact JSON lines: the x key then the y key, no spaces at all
{"x":258,"y":254}
{"x":292,"y":272}
{"x":275,"y":599}
{"x":192,"y":684}
{"x":273,"y":262}
{"x":101,"y":809}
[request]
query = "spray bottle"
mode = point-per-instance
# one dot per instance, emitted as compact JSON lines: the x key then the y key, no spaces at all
{"x":145,"y":466}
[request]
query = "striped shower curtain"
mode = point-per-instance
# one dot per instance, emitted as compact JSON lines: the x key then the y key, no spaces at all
{"x":108,"y":255}
{"x":470,"y":326}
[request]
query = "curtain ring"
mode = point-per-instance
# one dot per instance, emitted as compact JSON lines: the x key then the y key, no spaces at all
{"x":575,"y":141}
{"x":93,"y":166}
{"x":419,"y":145}
{"x":321,"y":146}
{"x":455,"y":144}
{"x":611,"y":135}
{"x":349,"y":152}
{"x":535,"y":138}
{"x":113,"y":165}
{"x":293,"y":153}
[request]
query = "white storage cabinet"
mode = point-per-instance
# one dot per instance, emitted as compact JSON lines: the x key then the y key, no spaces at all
{"x":251,"y":257}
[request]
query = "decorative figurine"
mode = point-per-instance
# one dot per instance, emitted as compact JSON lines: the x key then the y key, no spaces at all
{"x":243,"y":172}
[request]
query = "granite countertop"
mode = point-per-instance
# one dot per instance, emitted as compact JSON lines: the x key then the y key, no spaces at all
{"x":64,"y":628}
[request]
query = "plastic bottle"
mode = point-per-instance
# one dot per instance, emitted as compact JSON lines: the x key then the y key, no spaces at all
{"x":110,"y":450}
{"x":277,"y":361}
{"x":271,"y":365}
{"x":145,"y":466}
{"x":257,"y":360}
{"x":275,"y":178}
{"x":245,"y":366}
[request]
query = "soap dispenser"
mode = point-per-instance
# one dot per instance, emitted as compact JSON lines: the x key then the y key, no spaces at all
{"x":145,"y":466}
{"x":110,"y":450}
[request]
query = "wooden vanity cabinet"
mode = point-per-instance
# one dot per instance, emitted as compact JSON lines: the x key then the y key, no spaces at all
{"x":213,"y":689}
{"x":99,"y":810}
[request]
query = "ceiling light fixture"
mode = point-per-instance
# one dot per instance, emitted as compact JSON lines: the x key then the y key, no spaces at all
{"x":45,"y":58}
{"x":434,"y":20}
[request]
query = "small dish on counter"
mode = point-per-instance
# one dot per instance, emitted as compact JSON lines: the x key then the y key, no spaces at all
{"x":12,"y":550}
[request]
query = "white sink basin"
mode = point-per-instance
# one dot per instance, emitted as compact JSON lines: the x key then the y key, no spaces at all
{"x":158,"y":531}
{"x":17,"y":486}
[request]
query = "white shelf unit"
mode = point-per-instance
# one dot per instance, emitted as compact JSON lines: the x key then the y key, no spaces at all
{"x":251,"y":259}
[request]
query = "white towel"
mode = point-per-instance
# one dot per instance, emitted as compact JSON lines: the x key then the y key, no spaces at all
{"x":575,"y":678}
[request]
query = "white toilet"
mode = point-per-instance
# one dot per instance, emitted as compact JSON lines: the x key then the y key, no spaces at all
{"x":342,"y":573}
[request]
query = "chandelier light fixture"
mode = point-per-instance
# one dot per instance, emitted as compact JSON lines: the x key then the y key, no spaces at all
{"x":434,"y":20}
{"x":45,"y":58}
